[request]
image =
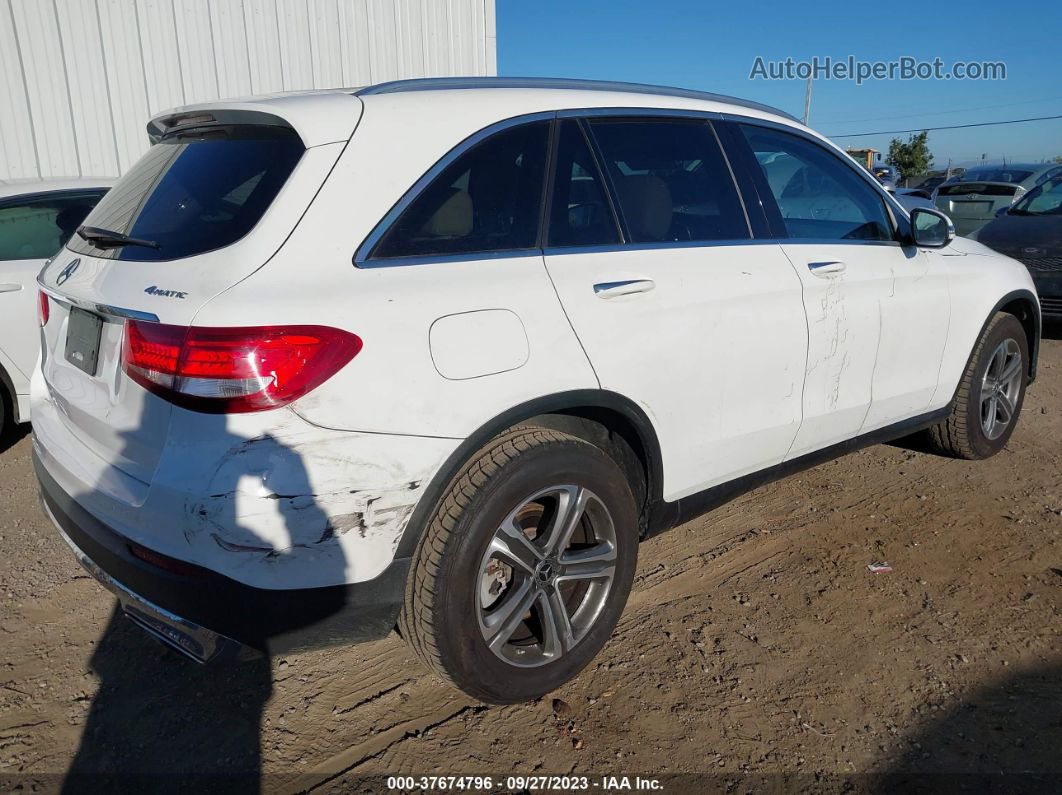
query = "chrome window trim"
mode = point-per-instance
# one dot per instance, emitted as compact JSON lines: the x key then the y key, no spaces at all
{"x":675,"y":113}
{"x":362,"y":255}
{"x":759,"y":241}
{"x":435,"y":259}
{"x":442,"y":259}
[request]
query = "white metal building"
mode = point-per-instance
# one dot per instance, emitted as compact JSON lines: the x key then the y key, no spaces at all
{"x":80,"y":78}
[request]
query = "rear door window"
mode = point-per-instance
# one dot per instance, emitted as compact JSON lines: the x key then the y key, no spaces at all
{"x":580,"y":214}
{"x":195,"y":192}
{"x":488,"y":199}
{"x":35,"y":227}
{"x":671,"y":180}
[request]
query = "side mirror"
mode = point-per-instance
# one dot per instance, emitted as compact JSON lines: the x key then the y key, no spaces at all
{"x":1001,"y":211}
{"x":931,"y":228}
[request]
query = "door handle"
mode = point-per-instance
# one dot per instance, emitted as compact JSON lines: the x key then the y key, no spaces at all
{"x":822,"y":268}
{"x":627,"y":287}
{"x":10,"y":288}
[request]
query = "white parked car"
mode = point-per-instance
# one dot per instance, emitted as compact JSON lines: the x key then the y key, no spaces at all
{"x":439,"y":353}
{"x":36,"y":218}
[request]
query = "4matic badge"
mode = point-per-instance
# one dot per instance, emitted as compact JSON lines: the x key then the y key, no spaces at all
{"x":153,"y":290}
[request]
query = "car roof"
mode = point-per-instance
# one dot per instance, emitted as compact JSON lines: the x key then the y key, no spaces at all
{"x":327,"y":115}
{"x":24,"y":186}
{"x":1017,"y":166}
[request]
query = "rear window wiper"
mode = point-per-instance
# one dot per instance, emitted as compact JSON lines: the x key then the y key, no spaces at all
{"x":105,"y":238}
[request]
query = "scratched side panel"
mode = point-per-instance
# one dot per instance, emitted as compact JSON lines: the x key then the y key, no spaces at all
{"x":844,"y":328}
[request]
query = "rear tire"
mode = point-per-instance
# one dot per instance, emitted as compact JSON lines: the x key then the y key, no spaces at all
{"x":990,"y":395}
{"x":525,"y":567}
{"x":7,"y":414}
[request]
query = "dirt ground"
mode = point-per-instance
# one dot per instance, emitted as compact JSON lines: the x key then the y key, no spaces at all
{"x":757,"y":649}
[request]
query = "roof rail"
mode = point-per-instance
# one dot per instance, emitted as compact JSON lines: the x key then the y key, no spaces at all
{"x":450,"y":83}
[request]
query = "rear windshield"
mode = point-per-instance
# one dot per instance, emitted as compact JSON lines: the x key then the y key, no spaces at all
{"x":980,"y":188}
{"x":995,"y":175}
{"x":194,"y":192}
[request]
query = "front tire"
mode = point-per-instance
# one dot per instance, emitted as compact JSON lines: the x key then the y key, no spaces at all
{"x":990,"y":395}
{"x":525,"y":568}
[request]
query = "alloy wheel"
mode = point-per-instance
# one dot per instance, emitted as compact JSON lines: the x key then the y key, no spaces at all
{"x":546,"y":575}
{"x":1000,"y":389}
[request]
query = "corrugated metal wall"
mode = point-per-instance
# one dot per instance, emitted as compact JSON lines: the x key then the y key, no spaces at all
{"x":80,"y":78}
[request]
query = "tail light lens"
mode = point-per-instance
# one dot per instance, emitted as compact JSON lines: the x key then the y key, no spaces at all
{"x":43,"y":308}
{"x":233,"y":370}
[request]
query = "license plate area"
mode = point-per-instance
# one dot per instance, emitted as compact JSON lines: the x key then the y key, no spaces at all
{"x":974,"y":209}
{"x":83,"y":331}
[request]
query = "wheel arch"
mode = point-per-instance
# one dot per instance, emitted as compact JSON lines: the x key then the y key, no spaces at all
{"x":607,"y":419}
{"x":1024,"y":306}
{"x":8,"y":399}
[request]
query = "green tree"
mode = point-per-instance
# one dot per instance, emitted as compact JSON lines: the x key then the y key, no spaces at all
{"x":912,"y":157}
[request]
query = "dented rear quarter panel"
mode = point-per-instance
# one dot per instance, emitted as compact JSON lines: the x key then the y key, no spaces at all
{"x":285,"y":504}
{"x":267,"y":498}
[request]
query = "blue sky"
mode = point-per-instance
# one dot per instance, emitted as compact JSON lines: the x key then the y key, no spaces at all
{"x":712,"y":46}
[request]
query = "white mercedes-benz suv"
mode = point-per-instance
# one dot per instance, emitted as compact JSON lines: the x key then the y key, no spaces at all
{"x":439,"y":353}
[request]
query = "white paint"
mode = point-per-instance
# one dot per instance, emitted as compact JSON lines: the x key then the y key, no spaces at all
{"x":78,"y":78}
{"x":714,"y":353}
{"x":844,"y":326}
{"x":475,"y":344}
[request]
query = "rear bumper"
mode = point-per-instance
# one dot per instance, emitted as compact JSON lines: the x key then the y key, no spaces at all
{"x":203,"y":613}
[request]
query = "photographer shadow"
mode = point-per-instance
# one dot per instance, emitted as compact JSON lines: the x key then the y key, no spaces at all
{"x":162,"y":722}
{"x":1003,"y":738}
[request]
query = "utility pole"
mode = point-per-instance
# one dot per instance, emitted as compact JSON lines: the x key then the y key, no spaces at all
{"x":807,"y":103}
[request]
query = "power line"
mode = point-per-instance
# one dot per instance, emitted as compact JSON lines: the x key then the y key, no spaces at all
{"x":940,"y":112}
{"x":950,"y":127}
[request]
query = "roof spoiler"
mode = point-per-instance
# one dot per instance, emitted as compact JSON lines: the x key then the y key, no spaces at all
{"x":162,"y":126}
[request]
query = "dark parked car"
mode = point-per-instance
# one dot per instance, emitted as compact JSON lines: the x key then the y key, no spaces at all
{"x":926,"y":187}
{"x":1031,"y":231}
{"x":977,"y":196}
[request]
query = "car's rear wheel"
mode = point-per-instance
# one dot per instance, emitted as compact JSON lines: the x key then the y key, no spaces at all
{"x":990,"y":395}
{"x":7,"y":414}
{"x":525,"y":568}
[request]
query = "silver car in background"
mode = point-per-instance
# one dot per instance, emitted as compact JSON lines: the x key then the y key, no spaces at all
{"x":36,"y":218}
{"x":976,"y":197}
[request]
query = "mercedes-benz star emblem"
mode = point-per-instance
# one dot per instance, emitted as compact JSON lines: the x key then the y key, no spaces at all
{"x":67,"y":272}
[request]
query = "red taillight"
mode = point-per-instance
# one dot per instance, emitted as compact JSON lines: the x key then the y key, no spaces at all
{"x":231,"y":370}
{"x":43,"y":308}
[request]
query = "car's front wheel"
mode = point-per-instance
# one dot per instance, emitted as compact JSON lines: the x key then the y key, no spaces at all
{"x":990,"y":395}
{"x":525,"y":568}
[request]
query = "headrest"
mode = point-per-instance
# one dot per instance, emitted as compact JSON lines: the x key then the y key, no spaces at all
{"x":69,"y":219}
{"x":452,"y":219}
{"x":647,"y":206}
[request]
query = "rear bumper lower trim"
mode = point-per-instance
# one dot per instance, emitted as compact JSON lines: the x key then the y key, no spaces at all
{"x":206,"y":609}
{"x":191,"y":640}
